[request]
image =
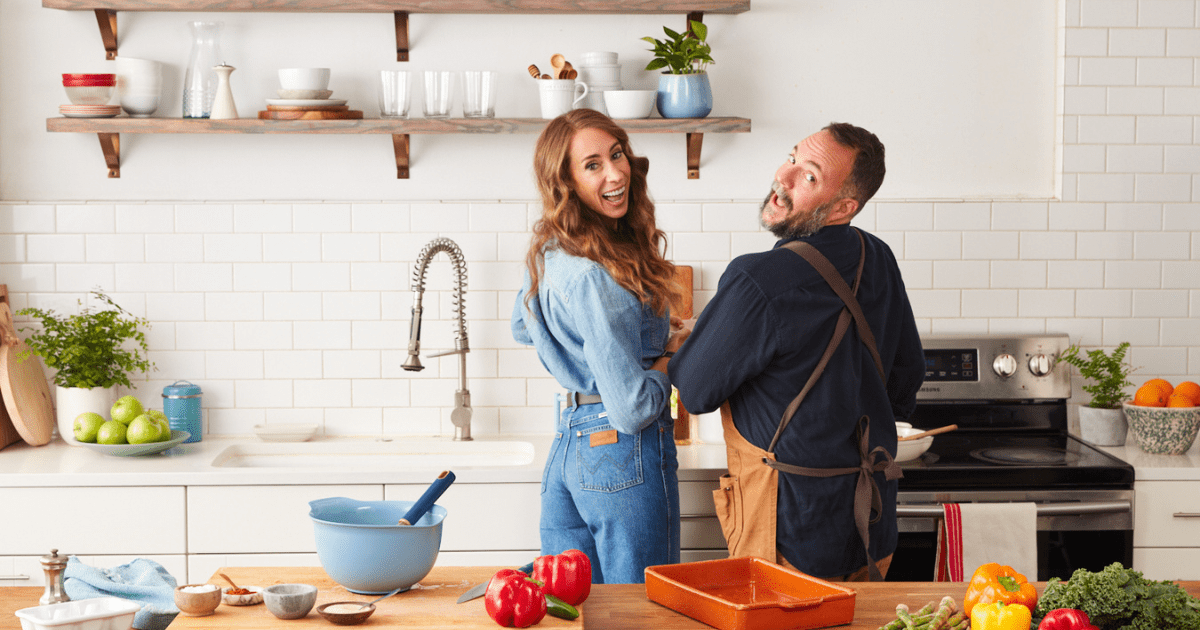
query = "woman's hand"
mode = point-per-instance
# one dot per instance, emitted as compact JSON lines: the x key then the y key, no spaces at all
{"x":677,"y":338}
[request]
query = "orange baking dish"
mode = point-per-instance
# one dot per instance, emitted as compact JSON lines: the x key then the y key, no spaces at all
{"x":745,"y":593}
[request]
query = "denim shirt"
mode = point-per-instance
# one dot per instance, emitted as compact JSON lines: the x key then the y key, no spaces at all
{"x":595,"y":337}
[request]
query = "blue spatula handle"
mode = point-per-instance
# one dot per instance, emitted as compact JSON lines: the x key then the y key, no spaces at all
{"x":426,"y":501}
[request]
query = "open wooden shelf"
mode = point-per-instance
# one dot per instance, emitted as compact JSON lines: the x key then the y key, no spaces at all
{"x":106,"y":10}
{"x":109,"y":130}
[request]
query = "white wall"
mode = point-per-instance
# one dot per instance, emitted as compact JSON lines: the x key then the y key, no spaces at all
{"x":298,"y":310}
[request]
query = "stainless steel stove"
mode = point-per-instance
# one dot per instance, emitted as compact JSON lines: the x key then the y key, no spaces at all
{"x":1008,"y":395}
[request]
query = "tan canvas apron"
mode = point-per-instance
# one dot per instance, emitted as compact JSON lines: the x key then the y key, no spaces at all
{"x":746,"y":501}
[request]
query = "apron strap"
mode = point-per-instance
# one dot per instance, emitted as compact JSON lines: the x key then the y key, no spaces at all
{"x":868,"y":502}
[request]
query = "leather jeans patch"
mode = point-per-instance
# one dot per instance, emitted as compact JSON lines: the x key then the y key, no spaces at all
{"x":600,"y":438}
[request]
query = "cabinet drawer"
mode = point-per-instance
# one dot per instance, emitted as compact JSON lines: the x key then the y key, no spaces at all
{"x":1162,"y":563}
{"x":86,"y":521}
{"x":486,"y":516}
{"x":259,"y":519}
{"x":1166,"y":514}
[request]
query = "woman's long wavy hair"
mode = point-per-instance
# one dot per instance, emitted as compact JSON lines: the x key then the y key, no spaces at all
{"x":633,"y":252}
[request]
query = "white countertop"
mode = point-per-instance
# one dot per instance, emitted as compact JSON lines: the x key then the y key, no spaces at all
{"x":60,"y":464}
{"x":1149,"y":467}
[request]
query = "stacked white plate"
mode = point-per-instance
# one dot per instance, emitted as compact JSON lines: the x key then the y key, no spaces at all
{"x":89,"y":111}
{"x":601,"y":72}
{"x":305,"y":98}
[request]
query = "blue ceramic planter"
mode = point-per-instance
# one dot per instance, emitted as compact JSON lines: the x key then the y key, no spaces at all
{"x":684,"y":96}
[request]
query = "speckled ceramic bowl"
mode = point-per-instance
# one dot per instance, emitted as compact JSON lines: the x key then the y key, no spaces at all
{"x":255,"y":596}
{"x":290,"y":601}
{"x":1164,"y":430}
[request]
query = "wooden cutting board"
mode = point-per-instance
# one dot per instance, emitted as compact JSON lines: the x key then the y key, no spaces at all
{"x":683,"y":275}
{"x":311,"y":108}
{"x":8,"y":432}
{"x":27,"y":401}
{"x":430,"y":606}
{"x":318,"y":114}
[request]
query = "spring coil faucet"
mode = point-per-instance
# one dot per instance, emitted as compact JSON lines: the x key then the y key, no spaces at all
{"x":461,"y":416}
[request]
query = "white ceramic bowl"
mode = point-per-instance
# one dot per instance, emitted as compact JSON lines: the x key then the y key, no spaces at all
{"x":90,"y":94}
{"x":597,"y":58}
{"x":255,"y":596}
{"x":911,"y":449}
{"x":903,"y":425}
{"x":140,"y":105}
{"x":629,"y":103}
{"x":304,"y":78}
{"x":600,"y":74}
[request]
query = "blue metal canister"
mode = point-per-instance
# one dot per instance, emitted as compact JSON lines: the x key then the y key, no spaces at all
{"x":181,"y":404}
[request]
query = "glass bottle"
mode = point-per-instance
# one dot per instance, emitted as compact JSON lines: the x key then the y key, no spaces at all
{"x":200,"y":80}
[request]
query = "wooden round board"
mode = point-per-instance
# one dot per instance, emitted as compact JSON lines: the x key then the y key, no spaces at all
{"x":308,"y":108}
{"x":25,"y":390}
{"x":309,"y":115}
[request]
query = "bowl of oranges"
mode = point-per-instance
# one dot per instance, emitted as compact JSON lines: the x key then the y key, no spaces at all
{"x":1165,"y":418}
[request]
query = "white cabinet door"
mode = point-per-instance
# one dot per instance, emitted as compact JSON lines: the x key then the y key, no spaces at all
{"x":485,"y":516}
{"x":87,"y":521}
{"x":260,"y":519}
{"x":1166,"y":514}
{"x":1168,"y":563}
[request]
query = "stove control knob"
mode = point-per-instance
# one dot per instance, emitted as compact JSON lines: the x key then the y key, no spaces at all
{"x":1004,"y":365}
{"x":1039,"y":365}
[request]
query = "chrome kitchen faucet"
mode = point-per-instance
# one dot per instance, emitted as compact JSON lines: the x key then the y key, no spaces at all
{"x":461,"y":416}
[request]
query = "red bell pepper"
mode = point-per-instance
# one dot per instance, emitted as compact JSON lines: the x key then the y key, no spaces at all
{"x":513,"y":600}
{"x":567,"y":576}
{"x":1066,"y":619}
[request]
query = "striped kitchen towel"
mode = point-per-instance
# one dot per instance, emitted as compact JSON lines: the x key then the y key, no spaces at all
{"x":972,"y":534}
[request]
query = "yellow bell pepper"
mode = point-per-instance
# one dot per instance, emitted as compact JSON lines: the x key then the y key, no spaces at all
{"x":998,"y":616}
{"x":994,"y":582}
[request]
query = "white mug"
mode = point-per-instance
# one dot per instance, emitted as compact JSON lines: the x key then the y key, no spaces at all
{"x":560,"y":96}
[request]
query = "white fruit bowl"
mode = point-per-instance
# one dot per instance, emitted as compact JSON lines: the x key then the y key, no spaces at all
{"x":135,"y":450}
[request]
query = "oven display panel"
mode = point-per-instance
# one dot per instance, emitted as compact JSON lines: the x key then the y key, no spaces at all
{"x":955,"y":365}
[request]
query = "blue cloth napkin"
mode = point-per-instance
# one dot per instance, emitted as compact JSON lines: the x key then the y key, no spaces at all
{"x":142,"y":580}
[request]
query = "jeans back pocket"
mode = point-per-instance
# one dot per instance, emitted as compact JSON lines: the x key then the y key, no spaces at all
{"x":608,"y":466}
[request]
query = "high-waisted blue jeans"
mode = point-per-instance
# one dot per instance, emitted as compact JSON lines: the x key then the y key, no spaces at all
{"x":617,"y":502}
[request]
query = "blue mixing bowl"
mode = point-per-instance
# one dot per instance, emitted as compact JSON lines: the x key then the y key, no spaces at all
{"x":363,"y":548}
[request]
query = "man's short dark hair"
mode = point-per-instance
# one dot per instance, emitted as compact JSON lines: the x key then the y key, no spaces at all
{"x":867,"y":175}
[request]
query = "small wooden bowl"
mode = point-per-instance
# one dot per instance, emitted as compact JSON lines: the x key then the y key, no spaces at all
{"x":345,"y":618}
{"x":197,"y":604}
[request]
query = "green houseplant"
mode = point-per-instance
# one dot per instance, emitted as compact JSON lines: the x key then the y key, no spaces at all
{"x":683,"y":89}
{"x":1102,"y":421}
{"x":92,"y":352}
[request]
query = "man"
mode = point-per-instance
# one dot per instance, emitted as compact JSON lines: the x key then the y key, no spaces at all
{"x":760,"y":339}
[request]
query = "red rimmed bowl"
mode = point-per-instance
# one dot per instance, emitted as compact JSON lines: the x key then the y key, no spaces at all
{"x":89,"y":79}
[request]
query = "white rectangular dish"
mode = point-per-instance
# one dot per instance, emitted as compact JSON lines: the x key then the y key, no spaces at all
{"x":285,"y":432}
{"x":98,"y":613}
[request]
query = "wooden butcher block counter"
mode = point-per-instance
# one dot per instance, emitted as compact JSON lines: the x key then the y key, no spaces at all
{"x":610,"y":607}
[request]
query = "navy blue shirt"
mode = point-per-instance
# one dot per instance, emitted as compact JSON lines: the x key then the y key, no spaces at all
{"x":757,"y":342}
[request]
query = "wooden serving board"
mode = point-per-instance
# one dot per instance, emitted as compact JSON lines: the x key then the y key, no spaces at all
{"x":309,"y":115}
{"x":430,"y":604}
{"x":8,"y":432}
{"x":23,"y":386}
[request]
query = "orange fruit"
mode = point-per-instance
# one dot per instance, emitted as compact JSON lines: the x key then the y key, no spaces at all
{"x":1161,"y":382}
{"x":1180,"y":400}
{"x":1189,"y":389}
{"x":1151,"y":395}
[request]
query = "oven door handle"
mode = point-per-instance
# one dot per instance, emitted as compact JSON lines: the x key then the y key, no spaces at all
{"x":1043,"y":509}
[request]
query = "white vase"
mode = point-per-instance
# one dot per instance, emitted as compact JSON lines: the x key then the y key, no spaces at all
{"x":1102,"y":427}
{"x":72,"y":401}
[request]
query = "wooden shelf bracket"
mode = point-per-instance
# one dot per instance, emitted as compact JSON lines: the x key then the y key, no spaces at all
{"x":694,"y":140}
{"x":110,"y":144}
{"x":107,"y":20}
{"x":400,"y":146}
{"x":401,"y":35}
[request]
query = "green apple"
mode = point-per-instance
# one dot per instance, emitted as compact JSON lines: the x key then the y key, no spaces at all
{"x":87,"y":424}
{"x":126,"y":409}
{"x":143,"y":430}
{"x":111,"y":432}
{"x":163,"y":424}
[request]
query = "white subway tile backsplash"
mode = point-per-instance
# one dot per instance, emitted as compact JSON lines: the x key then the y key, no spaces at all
{"x":956,"y":274}
{"x":1109,"y":187}
{"x":986,"y":303}
{"x":1066,"y":274}
{"x":27,"y":219}
{"x":350,"y":247}
{"x":85,"y":219}
{"x":1138,"y":332}
{"x":933,"y":246}
{"x":263,"y":393}
{"x":174,"y":248}
{"x":1018,"y":274}
{"x":1086,"y":42}
{"x":1166,"y":12}
{"x":700,"y":246}
{"x":204,"y":218}
{"x":1107,"y":71}
{"x":321,"y":217}
{"x":378,"y":334}
{"x":1107,"y":129}
{"x":1163,"y":303}
{"x":82,"y":278}
{"x":1113,"y":13}
{"x":1047,"y":245}
{"x":1181,"y":101}
{"x":262,"y":277}
{"x":321,"y":276}
{"x":1165,"y":130}
{"x":377,"y":392}
{"x":12,"y":248}
{"x":497,"y":217}
{"x":1076,"y":216}
{"x":292,"y":306}
{"x":262,"y":218}
{"x":1141,"y":274}
{"x":962,"y":216}
{"x":1168,"y":187}
{"x":1135,"y":100}
{"x":323,"y":393}
{"x":1183,"y":42}
{"x":1084,"y":158}
{"x":141,"y":278}
{"x":1164,"y":71}
{"x":730,"y":217}
{"x":1181,"y":274}
{"x":203,"y":335}
{"x":293,"y":364}
{"x":1046,"y":303}
{"x":678,"y":217}
{"x":1020,"y":216}
{"x":55,"y":248}
{"x":114,"y":247}
{"x":257,"y":335}
{"x":321,"y":335}
{"x":749,"y":242}
{"x":233,"y":248}
{"x":917,"y":274}
{"x":351,"y":364}
{"x":145,"y":218}
{"x":439,"y":217}
{"x":353,"y":422}
{"x":220,"y":306}
{"x":203,"y":277}
{"x":178,"y":307}
{"x":1103,"y":303}
{"x":1181,"y":159}
{"x":1161,"y":245}
{"x":990,"y":245}
{"x":1181,"y":216}
{"x":1135,"y":158}
{"x":903,"y":216}
{"x":1084,"y":100}
{"x":1137,"y":42}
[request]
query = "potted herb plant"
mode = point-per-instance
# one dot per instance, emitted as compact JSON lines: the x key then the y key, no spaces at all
{"x":92,"y":352}
{"x":1102,"y":421}
{"x":683,"y":88}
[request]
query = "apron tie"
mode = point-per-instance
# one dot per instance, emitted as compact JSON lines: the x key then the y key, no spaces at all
{"x":867,"y":498}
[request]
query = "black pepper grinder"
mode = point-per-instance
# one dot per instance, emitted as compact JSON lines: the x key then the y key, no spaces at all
{"x":55,"y":567}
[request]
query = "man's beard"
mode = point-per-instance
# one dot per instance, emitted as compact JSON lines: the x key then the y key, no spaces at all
{"x":793,"y":227}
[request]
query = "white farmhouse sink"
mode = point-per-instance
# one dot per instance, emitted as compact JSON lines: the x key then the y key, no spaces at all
{"x":399,"y":454}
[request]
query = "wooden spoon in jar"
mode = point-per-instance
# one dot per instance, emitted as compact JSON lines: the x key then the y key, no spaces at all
{"x":568,"y":71}
{"x":534,"y":72}
{"x":557,"y":61}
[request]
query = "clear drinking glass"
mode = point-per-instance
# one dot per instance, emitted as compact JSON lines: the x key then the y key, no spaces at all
{"x":393,"y":93}
{"x":200,"y":81}
{"x":479,"y":94}
{"x":439,"y":93}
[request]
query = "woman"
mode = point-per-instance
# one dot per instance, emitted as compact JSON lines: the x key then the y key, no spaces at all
{"x":595,"y":305}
